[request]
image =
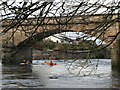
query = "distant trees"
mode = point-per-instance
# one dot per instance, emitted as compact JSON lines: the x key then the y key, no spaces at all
{"x":78,"y":45}
{"x":44,"y":45}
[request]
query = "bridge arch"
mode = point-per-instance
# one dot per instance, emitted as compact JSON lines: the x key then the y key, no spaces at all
{"x":24,"y":49}
{"x":76,"y":25}
{"x":40,"y":36}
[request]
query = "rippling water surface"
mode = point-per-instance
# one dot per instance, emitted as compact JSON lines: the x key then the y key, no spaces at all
{"x":40,"y":75}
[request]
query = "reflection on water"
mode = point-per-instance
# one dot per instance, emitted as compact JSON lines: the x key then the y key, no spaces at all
{"x":39,"y":75}
{"x":19,"y":76}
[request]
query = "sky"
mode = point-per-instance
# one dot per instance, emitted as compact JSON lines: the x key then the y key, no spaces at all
{"x":73,"y":36}
{"x":69,"y":4}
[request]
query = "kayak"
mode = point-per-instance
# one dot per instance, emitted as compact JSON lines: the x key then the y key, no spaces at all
{"x":22,"y":64}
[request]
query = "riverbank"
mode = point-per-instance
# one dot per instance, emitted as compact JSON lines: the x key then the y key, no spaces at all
{"x":69,"y":54}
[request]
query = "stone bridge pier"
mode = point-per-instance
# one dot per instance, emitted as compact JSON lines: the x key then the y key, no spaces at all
{"x":115,"y":54}
{"x":13,"y":55}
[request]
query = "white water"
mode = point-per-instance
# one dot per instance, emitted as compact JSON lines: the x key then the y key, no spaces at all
{"x":61,"y":78}
{"x":58,"y":76}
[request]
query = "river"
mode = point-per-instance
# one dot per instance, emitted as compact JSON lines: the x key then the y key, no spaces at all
{"x":40,"y":75}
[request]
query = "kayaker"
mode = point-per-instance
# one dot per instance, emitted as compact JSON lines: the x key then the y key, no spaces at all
{"x":26,"y":62}
{"x":51,"y":63}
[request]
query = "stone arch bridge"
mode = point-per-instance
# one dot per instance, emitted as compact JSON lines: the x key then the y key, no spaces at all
{"x":51,"y":25}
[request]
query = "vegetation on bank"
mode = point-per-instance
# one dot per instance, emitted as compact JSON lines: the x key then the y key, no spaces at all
{"x":75,"y":45}
{"x":49,"y":45}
